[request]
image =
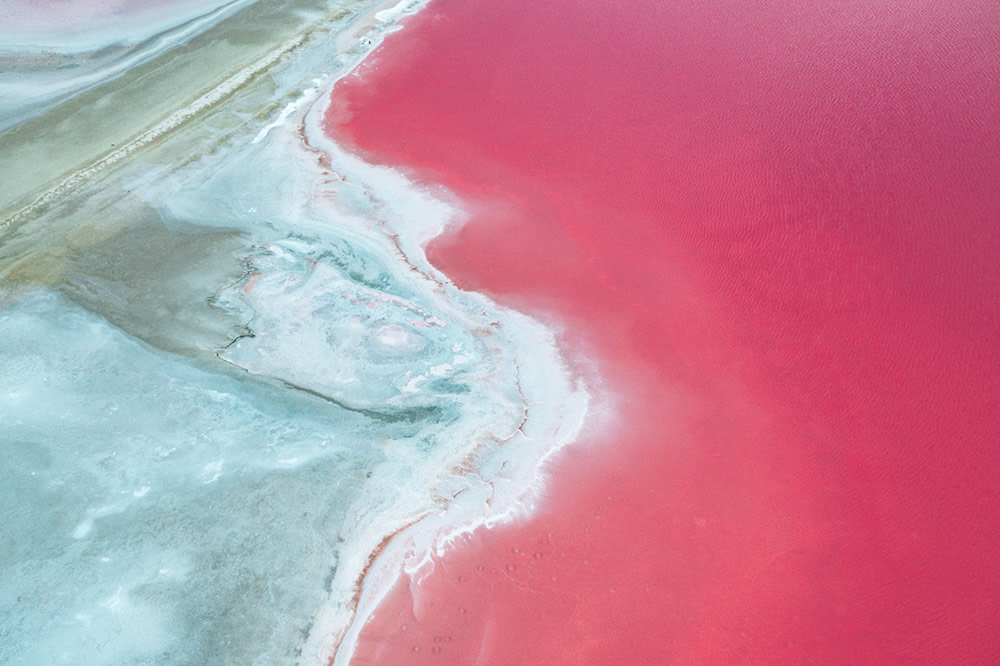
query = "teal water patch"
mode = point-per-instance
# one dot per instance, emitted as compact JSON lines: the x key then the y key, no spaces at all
{"x":158,"y":511}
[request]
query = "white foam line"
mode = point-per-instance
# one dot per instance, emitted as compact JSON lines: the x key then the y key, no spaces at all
{"x":413,"y":550}
{"x":307,"y":97}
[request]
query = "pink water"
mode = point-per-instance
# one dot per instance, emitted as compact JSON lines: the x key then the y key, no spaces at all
{"x":774,"y":227}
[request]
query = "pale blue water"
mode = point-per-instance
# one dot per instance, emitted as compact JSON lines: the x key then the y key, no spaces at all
{"x":149,"y":505}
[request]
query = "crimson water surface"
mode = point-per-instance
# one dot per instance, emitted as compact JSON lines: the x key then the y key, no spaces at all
{"x":774,"y":225}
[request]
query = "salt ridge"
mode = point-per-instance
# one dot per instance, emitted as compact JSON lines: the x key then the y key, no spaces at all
{"x":504,"y":486}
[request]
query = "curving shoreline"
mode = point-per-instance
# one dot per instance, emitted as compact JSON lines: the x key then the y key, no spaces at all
{"x":500,"y":477}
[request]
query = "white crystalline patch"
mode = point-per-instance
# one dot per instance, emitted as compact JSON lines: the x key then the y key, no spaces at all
{"x":412,"y":384}
{"x":394,"y":336}
{"x":83,"y":529}
{"x":292,"y":107}
{"x":316,"y":327}
{"x":141,"y":492}
{"x":440,"y":370}
{"x":212,"y":471}
{"x":114,"y":602}
{"x":87,"y":524}
{"x":396,"y":340}
{"x":387,"y":15}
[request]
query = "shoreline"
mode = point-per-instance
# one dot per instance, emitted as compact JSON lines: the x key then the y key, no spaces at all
{"x":483,"y":474}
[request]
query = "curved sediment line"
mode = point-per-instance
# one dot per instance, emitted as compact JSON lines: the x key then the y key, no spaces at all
{"x":473,"y":474}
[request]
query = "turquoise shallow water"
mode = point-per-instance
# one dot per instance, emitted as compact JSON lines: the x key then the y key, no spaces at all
{"x":151,"y":505}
